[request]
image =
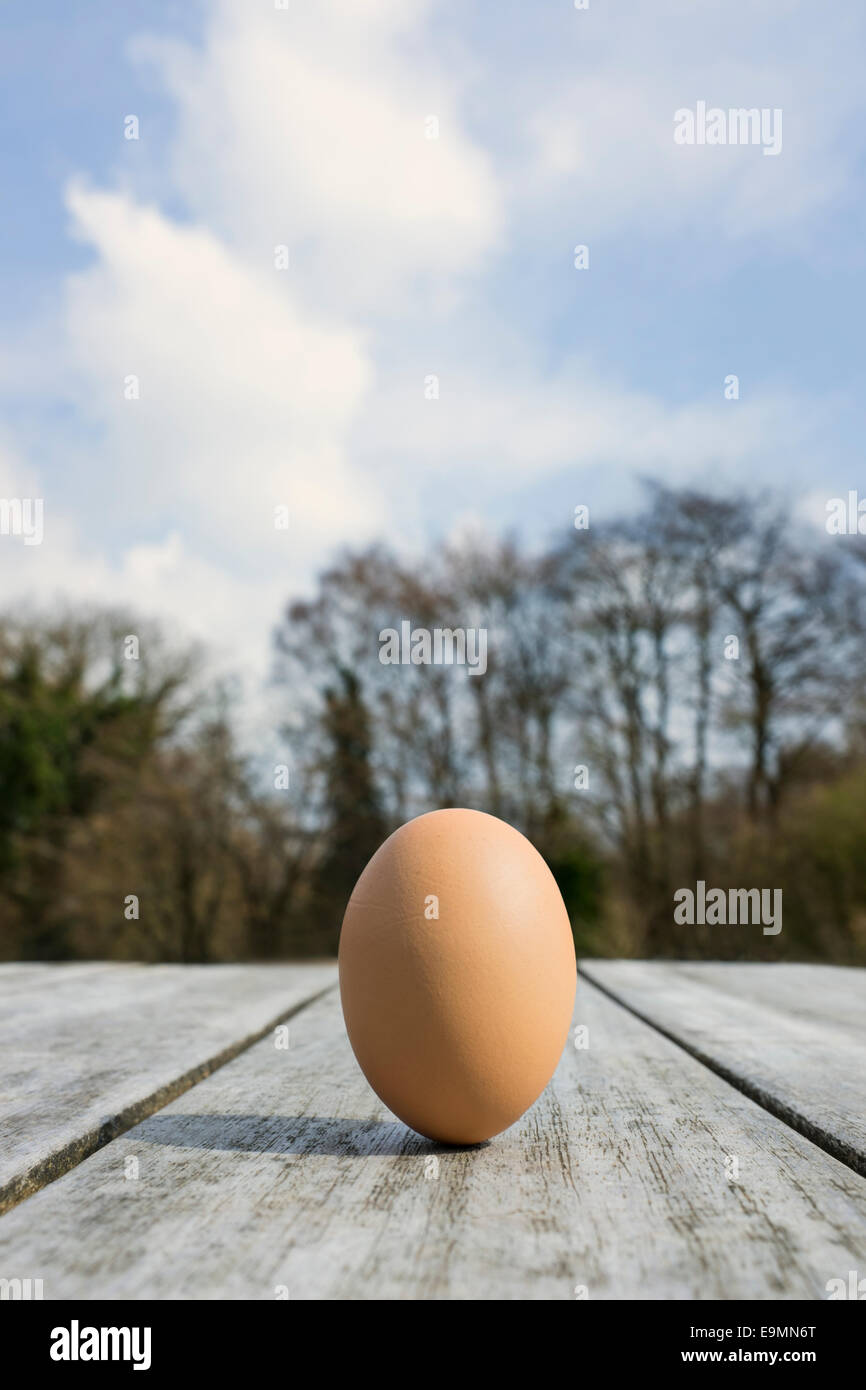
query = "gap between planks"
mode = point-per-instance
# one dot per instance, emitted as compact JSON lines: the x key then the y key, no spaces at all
{"x":56,"y":1164}
{"x":774,"y":1105}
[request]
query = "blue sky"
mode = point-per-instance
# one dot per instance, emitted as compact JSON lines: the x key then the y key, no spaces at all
{"x":409,"y":257}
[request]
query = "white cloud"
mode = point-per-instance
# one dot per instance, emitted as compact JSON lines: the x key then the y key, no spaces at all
{"x":244,"y":401}
{"x":308,"y":128}
{"x":505,"y":431}
{"x":231,"y":616}
{"x":600,"y":133}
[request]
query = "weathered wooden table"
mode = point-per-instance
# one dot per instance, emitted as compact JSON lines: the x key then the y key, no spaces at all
{"x":703,"y":1137}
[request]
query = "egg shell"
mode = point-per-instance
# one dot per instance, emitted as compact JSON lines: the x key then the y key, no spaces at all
{"x":458,"y":1020}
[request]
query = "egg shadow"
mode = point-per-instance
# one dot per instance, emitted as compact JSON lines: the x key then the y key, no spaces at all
{"x":298,"y":1135}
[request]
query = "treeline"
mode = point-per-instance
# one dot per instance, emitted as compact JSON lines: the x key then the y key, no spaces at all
{"x":675,"y":698}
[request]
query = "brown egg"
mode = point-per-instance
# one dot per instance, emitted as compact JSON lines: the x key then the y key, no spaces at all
{"x":457,"y":974}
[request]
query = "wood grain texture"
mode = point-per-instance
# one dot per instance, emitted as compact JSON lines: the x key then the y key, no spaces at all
{"x":88,"y":1050}
{"x":283,"y":1172}
{"x":791,"y":1036}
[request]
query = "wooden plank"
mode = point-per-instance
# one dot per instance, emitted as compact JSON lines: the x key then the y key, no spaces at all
{"x":283,"y":1172}
{"x":88,"y":1050}
{"x":793,"y":1037}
